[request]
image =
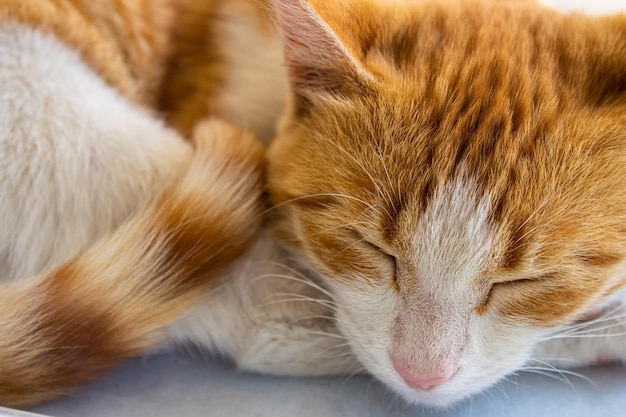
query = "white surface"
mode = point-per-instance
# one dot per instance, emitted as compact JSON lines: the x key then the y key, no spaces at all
{"x":184,"y":386}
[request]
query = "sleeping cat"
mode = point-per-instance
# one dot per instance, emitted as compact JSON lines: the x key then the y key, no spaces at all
{"x":446,"y":189}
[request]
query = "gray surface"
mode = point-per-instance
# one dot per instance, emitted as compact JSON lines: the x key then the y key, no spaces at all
{"x":183,"y":386}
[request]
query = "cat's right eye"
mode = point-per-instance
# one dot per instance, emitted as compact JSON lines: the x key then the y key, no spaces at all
{"x":497,"y":286}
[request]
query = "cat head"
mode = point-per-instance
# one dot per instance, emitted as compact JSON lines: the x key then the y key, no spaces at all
{"x":456,"y":172}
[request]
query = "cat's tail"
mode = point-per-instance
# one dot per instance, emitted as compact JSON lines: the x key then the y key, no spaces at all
{"x":108,"y":304}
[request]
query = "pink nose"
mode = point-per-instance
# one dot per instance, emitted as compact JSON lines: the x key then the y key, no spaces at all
{"x":425,"y":382}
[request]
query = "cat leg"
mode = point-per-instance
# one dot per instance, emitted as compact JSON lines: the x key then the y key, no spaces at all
{"x":300,"y":347}
{"x":270,"y":318}
{"x":598,"y":338}
{"x":76,"y":158}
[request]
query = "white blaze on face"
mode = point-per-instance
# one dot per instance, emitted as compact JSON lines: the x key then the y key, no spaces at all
{"x":438,"y":291}
{"x":429,"y":327}
{"x":452,"y":241}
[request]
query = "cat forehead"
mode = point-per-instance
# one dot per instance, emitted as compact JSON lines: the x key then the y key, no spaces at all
{"x":515,"y":51}
{"x":411,"y":34}
{"x":452,"y":243}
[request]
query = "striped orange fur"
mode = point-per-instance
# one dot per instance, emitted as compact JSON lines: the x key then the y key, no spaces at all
{"x":547,"y":121}
{"x":126,"y":42}
{"x":74,"y":323}
{"x":111,"y":302}
{"x":459,"y":171}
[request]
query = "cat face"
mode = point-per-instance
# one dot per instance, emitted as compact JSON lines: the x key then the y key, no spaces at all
{"x":456,"y":173}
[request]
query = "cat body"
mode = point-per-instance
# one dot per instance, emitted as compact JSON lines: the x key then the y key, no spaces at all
{"x":103,"y":205}
{"x":447,"y":187}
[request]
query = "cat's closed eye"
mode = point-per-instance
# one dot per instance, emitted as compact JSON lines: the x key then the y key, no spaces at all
{"x":377,"y":250}
{"x":497,"y":287}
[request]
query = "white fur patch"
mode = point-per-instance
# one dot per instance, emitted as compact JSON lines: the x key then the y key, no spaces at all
{"x":452,"y":240}
{"x":75,"y":157}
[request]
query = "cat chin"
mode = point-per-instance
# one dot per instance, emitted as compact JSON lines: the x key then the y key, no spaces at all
{"x":473,"y":377}
{"x":433,"y":399}
{"x":459,"y":388}
{"x":442,"y":397}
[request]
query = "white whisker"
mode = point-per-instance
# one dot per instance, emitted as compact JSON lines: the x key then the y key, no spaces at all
{"x":563,"y":372}
{"x":298,"y":298}
{"x":296,"y":279}
{"x":584,"y":336}
{"x":549,"y":373}
{"x":330,"y":318}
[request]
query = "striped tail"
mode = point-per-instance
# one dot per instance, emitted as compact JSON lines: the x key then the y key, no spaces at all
{"x":69,"y":326}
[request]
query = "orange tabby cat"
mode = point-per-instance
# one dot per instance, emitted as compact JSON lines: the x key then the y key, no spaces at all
{"x":448,"y":180}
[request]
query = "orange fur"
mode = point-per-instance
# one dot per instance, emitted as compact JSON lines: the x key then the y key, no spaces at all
{"x":196,"y":69}
{"x":74,"y":323}
{"x":527,"y":104}
{"x":126,"y":42}
{"x":204,"y":59}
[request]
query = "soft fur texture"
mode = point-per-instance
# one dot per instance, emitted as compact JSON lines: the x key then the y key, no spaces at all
{"x":447,"y":184}
{"x":83,"y":161}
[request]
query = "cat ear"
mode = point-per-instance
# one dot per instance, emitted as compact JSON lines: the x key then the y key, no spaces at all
{"x":318,"y":61}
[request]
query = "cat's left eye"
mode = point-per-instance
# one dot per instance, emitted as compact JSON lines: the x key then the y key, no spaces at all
{"x":392,"y":259}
